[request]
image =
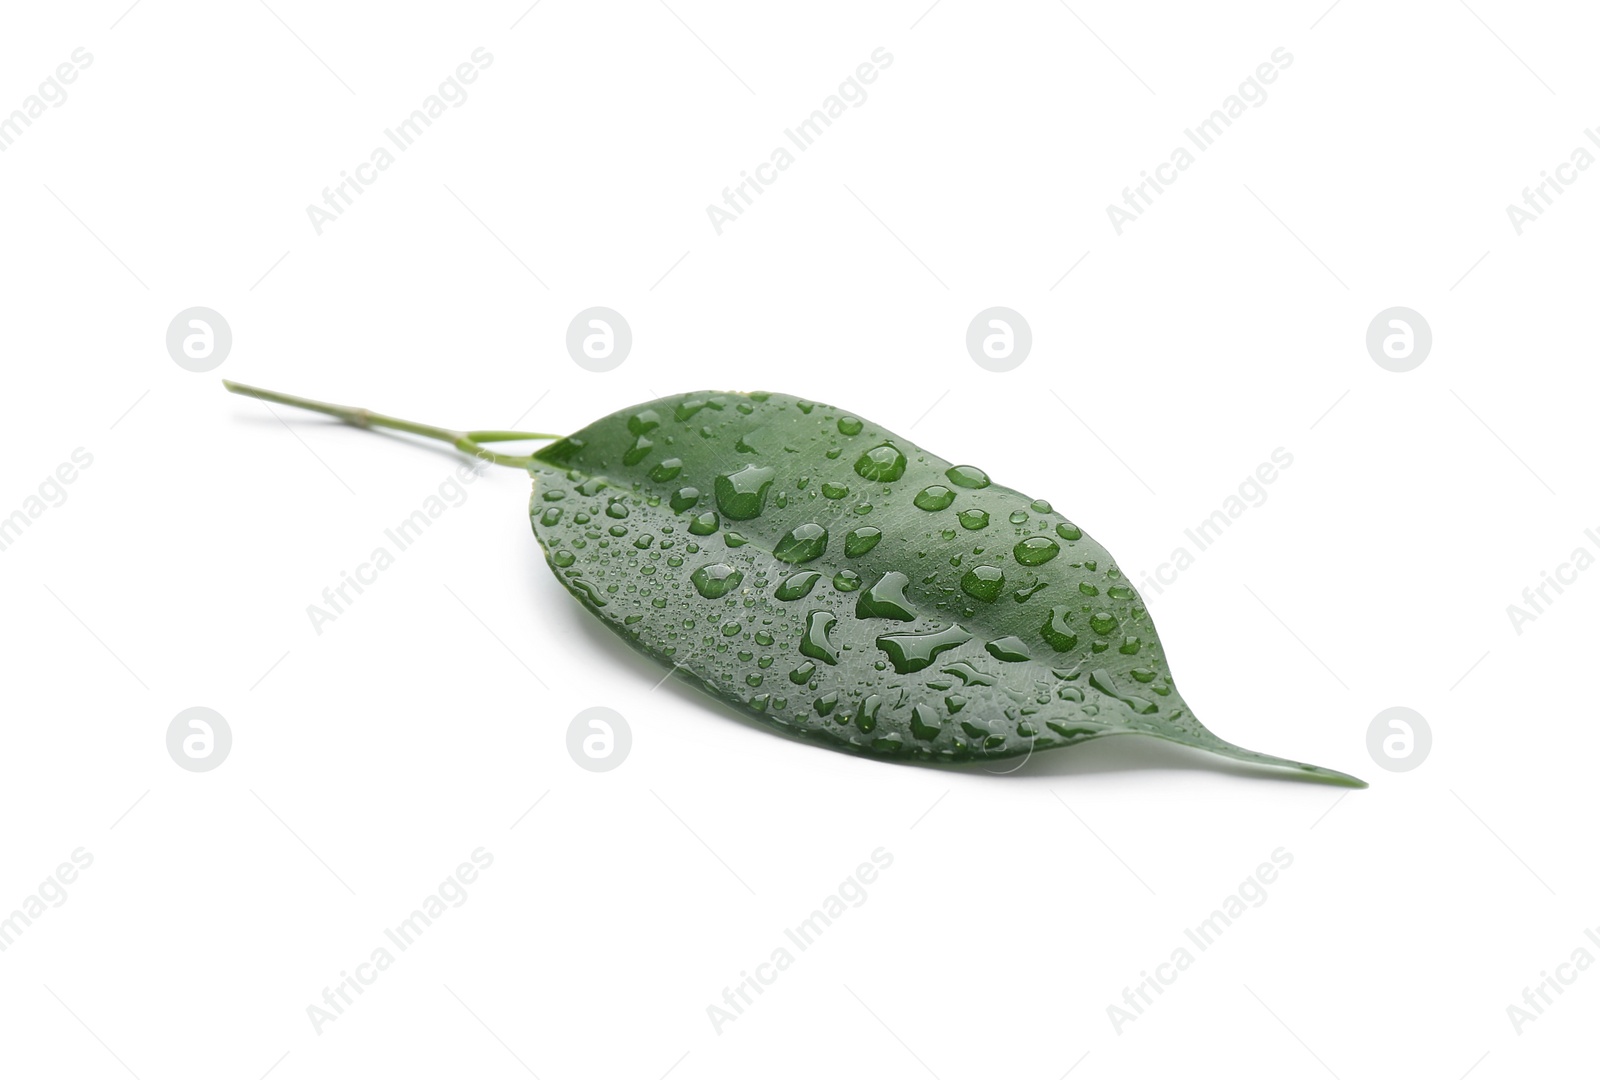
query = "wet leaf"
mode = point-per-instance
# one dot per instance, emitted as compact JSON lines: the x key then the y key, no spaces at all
{"x":834,"y":580}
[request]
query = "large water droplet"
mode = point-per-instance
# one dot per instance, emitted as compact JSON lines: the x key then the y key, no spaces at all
{"x":1010,"y":649}
{"x":1057,"y":632}
{"x":797,"y":585}
{"x":973,"y":519}
{"x":704,"y":525}
{"x":802,"y":543}
{"x":849,"y":425}
{"x":684,"y":498}
{"x":847,"y":581}
{"x":883,"y":462}
{"x":668,"y":469}
{"x":886,"y":599}
{"x":716,"y":580}
{"x":1101,"y":680}
{"x":644,"y":421}
{"x":1102,"y":622}
{"x":862,"y":540}
{"x":925,"y":722}
{"x":967,"y":476}
{"x":815,"y":643}
{"x":913,"y":652}
{"x":935,"y":497}
{"x":1068,"y":531}
{"x":742,"y":494}
{"x":1036,"y":550}
{"x":638,"y":451}
{"x":983,"y":583}
{"x":867,"y":713}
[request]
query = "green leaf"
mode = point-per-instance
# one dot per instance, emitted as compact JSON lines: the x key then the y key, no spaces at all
{"x":834,"y":580}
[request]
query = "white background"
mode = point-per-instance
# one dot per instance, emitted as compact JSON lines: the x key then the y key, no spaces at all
{"x":369,"y":760}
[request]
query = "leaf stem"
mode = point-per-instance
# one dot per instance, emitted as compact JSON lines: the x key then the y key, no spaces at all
{"x":468,"y":442}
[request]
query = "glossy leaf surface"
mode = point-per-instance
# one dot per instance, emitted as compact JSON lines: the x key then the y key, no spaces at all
{"x":833,"y":579}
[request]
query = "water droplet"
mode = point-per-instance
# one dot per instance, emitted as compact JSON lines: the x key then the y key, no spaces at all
{"x":644,"y":422}
{"x":1019,"y":517}
{"x":755,"y":678}
{"x":1068,"y":531}
{"x":554,"y":495}
{"x":667,"y":470}
{"x":802,"y":674}
{"x":1057,"y":632}
{"x":913,"y":652}
{"x":867,"y":713}
{"x":563,"y":558}
{"x":643,"y":541}
{"x":704,"y":525}
{"x":638,"y":451}
{"x":969,"y":675}
{"x":967,"y":476}
{"x":973,"y":519}
{"x":797,"y":585}
{"x":847,"y":581}
{"x":742,"y":494}
{"x":824,"y":704}
{"x":886,"y":599}
{"x":862,"y":540}
{"x":1036,"y":550}
{"x":1102,"y":622}
{"x":1087,"y":589}
{"x":802,"y":543}
{"x":849,"y":425}
{"x":1101,"y":680}
{"x":733,"y":539}
{"x":983,"y":583}
{"x":1010,"y":649}
{"x":684,"y":498}
{"x":831,"y":490}
{"x":1039,"y":506}
{"x":925,"y":723}
{"x":936,"y":497}
{"x":1120,"y":592}
{"x":883,"y":462}
{"x":616,"y":508}
{"x":815,"y":643}
{"x":551,"y":515}
{"x":716,"y":580}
